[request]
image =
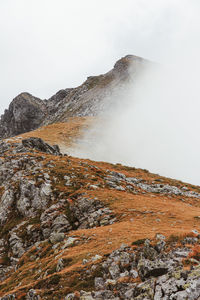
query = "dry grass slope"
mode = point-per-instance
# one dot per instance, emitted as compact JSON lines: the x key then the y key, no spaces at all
{"x":139,"y":215}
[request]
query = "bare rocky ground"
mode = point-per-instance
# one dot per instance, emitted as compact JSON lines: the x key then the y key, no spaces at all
{"x":73,"y":228}
{"x":78,"y":229}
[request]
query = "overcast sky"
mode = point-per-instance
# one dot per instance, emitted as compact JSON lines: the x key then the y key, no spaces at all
{"x":46,"y":45}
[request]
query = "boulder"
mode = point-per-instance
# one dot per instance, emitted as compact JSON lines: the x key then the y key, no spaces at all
{"x":40,"y":145}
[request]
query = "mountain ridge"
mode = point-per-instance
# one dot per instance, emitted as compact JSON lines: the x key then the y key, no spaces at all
{"x":77,"y":229}
{"x":26,"y":112}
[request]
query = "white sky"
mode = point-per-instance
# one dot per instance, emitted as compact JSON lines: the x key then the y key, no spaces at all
{"x":46,"y":45}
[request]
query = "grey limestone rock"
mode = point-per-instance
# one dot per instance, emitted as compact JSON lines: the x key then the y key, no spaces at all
{"x":6,"y":202}
{"x":114,"y":271}
{"x":32,"y":295}
{"x":40,"y":145}
{"x":147,"y":268}
{"x":25,"y":113}
{"x":16,"y":245}
{"x":32,"y":198}
{"x":56,"y":237}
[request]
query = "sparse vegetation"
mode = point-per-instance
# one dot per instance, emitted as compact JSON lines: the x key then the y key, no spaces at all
{"x":135,"y":211}
{"x":195,"y":253}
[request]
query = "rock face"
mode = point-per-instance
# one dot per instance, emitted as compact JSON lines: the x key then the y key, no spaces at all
{"x":27,"y":112}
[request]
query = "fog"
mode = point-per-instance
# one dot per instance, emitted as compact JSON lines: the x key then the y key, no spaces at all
{"x":155,"y":124}
{"x":47,"y":45}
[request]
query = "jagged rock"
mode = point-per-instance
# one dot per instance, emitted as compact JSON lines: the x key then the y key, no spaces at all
{"x":40,"y":145}
{"x":32,"y":198}
{"x":25,"y":113}
{"x":53,"y":221}
{"x":147,"y":268}
{"x":91,"y":212}
{"x":6,"y":202}
{"x":149,"y":252}
{"x":145,"y":290}
{"x":114,"y":179}
{"x":16,"y":245}
{"x":61,"y":224}
{"x":4,"y":147}
{"x":174,"y":284}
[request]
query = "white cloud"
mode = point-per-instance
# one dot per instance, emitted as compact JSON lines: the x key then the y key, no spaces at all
{"x":157,"y":126}
{"x":46,"y":45}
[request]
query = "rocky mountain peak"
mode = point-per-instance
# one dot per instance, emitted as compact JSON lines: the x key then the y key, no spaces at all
{"x":27,"y":112}
{"x":128,"y":63}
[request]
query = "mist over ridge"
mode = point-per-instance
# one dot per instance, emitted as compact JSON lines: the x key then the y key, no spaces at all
{"x":155,"y":124}
{"x":152,"y":123}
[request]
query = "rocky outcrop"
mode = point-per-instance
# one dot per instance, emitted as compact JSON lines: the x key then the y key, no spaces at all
{"x":117,"y":180}
{"x":144,"y":273}
{"x":40,"y":145}
{"x":27,"y":112}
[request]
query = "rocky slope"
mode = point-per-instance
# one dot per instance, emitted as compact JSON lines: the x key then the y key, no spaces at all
{"x":27,"y":112}
{"x":77,"y":229}
{"x":73,"y":228}
{"x":65,"y":134}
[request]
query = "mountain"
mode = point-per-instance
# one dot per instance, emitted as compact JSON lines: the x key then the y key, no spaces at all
{"x":70,"y":225}
{"x":74,"y":228}
{"x":27,"y":112}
